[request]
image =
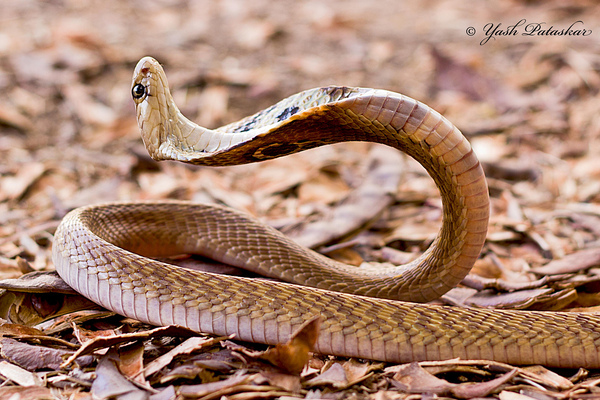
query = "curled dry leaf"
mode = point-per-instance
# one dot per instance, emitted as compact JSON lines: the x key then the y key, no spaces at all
{"x":334,"y":376}
{"x":39,"y":296}
{"x":224,"y":360}
{"x":283,"y":380}
{"x":556,"y":301}
{"x":188,"y":372}
{"x":548,"y":378}
{"x":190,"y":345}
{"x":412,"y":378}
{"x":8,"y":329}
{"x":38,"y":282}
{"x":110,"y":383}
{"x":480,"y":283}
{"x":293,"y":355}
{"x":33,"y":308}
{"x":506,"y":395}
{"x":15,"y":187}
{"x":131,"y":361}
{"x":341,"y":375}
{"x":85,"y":335}
{"x":12,"y":117}
{"x":104,"y":342}
{"x":475,"y":390}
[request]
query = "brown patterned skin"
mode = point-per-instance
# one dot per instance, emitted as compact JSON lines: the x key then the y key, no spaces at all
{"x":90,"y":255}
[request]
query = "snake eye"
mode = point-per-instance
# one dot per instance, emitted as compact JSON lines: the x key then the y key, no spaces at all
{"x":138,"y":91}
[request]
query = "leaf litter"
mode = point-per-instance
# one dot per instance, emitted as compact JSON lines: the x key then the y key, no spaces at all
{"x":68,"y":138}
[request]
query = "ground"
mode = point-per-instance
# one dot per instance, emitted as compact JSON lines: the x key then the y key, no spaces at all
{"x":519,"y":78}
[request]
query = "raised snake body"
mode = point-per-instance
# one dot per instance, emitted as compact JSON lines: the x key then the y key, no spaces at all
{"x":96,"y":248}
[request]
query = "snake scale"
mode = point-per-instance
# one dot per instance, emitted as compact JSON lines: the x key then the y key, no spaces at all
{"x":99,"y":250}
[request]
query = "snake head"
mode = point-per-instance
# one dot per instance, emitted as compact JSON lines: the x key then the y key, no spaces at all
{"x":166,"y":132}
{"x":155,"y":109}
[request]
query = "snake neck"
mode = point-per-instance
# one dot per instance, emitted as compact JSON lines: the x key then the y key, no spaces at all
{"x":465,"y":215}
{"x":168,"y":134}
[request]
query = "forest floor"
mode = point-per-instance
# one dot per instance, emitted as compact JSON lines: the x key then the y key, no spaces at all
{"x":526,"y":97}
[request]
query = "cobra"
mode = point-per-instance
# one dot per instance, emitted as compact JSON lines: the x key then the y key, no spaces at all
{"x":101,"y":251}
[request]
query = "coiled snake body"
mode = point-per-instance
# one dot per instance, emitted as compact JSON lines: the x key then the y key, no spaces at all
{"x":96,"y":248}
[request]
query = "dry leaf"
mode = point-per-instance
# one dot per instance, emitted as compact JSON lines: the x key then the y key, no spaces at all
{"x":411,"y":378}
{"x":18,"y":375}
{"x":293,"y":355}
{"x":335,"y":376}
{"x":506,"y":395}
{"x":546,"y":377}
{"x":104,"y":342}
{"x":36,"y":357}
{"x":12,"y":117}
{"x":15,"y":187}
{"x":515,"y":300}
{"x":414,"y":379}
{"x":109,"y":382}
{"x":85,"y":335}
{"x":343,"y":375}
{"x":190,"y":345}
{"x":573,"y":262}
{"x":214,"y":387}
{"x":482,"y":389}
{"x":131,"y":362}
{"x":26,"y":393}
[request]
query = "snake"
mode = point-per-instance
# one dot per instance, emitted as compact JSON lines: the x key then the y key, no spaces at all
{"x":108,"y":252}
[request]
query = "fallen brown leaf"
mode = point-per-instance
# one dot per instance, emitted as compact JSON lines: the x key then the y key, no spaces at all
{"x":283,"y":380}
{"x":573,"y":262}
{"x":85,"y":335}
{"x":110,"y":383}
{"x":293,"y":355}
{"x":36,"y":357}
{"x":103,"y":342}
{"x":16,"y":186}
{"x":412,"y":378}
{"x":471,"y":390}
{"x":131,"y":362}
{"x":202,"y":389}
{"x":8,"y":329}
{"x":190,"y":345}
{"x":334,"y":376}
{"x":26,"y":393}
{"x":39,"y":296}
{"x":19,"y":375}
{"x":514,"y":300}
{"x":11,"y":117}
{"x":548,"y":378}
